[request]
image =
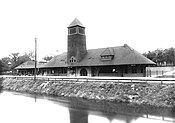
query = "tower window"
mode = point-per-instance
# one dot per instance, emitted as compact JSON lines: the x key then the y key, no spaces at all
{"x":72,"y":30}
{"x":81,"y":30}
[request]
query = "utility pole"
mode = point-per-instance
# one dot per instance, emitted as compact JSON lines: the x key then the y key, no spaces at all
{"x":35,"y":71}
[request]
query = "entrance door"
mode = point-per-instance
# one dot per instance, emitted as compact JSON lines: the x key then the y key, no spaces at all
{"x":72,"y":71}
{"x":83,"y":72}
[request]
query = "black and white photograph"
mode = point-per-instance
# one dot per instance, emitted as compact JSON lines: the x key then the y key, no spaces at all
{"x":87,"y":61}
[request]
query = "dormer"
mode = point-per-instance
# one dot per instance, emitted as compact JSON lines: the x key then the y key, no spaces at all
{"x":107,"y":54}
{"x":72,"y":60}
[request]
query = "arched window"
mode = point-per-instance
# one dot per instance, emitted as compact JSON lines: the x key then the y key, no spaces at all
{"x":83,"y":72}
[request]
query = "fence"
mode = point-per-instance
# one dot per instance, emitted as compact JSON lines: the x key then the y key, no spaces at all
{"x":150,"y":73}
{"x":159,"y":71}
{"x":100,"y":79}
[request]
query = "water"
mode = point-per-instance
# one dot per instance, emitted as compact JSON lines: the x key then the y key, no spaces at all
{"x":26,"y":108}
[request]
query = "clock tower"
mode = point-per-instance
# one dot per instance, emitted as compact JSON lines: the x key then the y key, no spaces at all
{"x":76,"y":42}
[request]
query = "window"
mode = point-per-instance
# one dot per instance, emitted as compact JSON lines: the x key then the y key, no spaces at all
{"x":126,"y":70}
{"x":52,"y":71}
{"x":72,"y":60}
{"x":81,"y":30}
{"x":142,"y":70}
{"x":72,"y":30}
{"x":107,"y":57}
{"x":134,"y":70}
{"x":75,"y":30}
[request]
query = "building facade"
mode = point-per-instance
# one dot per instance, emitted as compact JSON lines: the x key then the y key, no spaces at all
{"x":120,"y":61}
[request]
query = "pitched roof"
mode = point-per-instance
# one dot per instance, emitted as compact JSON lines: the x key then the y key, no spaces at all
{"x":123,"y":55}
{"x":29,"y":65}
{"x":57,"y":61}
{"x":76,"y":22}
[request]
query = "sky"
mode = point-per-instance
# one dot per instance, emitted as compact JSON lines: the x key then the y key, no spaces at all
{"x":145,"y":25}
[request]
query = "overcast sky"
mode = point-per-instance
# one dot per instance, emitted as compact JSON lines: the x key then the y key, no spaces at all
{"x":144,"y":25}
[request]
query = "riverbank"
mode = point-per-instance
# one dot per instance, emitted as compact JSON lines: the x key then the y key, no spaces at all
{"x":158,"y":95}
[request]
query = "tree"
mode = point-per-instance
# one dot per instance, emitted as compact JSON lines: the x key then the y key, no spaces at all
{"x":47,"y":58}
{"x":14,"y":58}
{"x":31,"y":55}
{"x":24,"y":58}
{"x":170,"y":56}
{"x":151,"y":55}
{"x":160,"y":56}
{"x":6,"y":64}
{"x":17,"y":59}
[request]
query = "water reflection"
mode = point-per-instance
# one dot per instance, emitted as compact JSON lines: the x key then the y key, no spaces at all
{"x":19,"y":108}
{"x":125,"y":113}
{"x":80,"y":110}
{"x":78,"y":116}
{"x":1,"y":88}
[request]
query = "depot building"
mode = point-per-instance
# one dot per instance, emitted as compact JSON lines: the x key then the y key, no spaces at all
{"x":119,"y":61}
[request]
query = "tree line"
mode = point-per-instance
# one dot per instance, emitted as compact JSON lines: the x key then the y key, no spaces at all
{"x":162,"y":57}
{"x":8,"y":64}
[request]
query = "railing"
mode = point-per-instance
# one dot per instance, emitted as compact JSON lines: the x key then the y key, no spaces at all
{"x":100,"y":79}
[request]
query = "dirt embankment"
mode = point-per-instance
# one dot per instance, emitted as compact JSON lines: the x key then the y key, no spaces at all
{"x":159,"y":95}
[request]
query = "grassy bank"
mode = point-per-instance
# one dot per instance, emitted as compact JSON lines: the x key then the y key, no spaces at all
{"x":159,"y":95}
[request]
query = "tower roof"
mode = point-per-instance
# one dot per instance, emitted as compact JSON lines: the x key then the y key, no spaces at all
{"x":76,"y":22}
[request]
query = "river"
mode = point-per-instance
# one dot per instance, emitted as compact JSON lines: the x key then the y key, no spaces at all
{"x":27,"y":108}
